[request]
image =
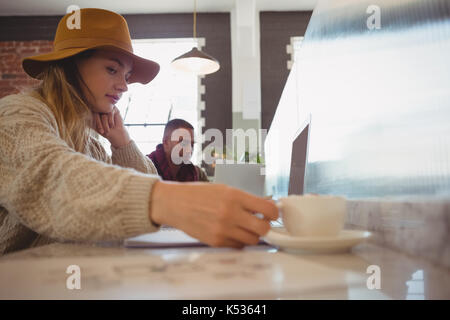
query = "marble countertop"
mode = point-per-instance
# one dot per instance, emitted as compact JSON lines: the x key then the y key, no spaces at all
{"x":260,"y":272}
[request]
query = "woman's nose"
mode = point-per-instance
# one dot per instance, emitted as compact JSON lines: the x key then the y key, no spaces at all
{"x":122,"y":85}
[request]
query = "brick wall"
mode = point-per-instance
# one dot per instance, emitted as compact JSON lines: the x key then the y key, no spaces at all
{"x":12,"y":77}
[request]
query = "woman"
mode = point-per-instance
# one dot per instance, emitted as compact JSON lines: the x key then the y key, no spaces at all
{"x":59,"y":184}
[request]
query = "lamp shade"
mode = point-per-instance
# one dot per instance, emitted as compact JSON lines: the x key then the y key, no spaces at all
{"x":196,"y":61}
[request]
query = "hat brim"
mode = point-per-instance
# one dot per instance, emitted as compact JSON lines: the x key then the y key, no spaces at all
{"x":144,"y":70}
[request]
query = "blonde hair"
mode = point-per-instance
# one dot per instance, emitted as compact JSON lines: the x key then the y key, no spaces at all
{"x":60,"y":89}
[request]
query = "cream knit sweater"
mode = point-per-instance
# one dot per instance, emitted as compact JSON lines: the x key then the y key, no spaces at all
{"x":49,"y":192}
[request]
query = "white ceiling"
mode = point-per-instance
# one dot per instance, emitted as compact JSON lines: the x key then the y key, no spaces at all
{"x":58,"y":7}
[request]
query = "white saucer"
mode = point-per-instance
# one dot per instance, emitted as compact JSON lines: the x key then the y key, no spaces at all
{"x":343,"y":242}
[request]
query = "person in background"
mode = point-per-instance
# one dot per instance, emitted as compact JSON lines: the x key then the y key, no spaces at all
{"x":172,"y":157}
{"x":59,"y":184}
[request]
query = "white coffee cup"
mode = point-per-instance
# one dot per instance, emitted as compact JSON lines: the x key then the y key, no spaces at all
{"x":313,"y":216}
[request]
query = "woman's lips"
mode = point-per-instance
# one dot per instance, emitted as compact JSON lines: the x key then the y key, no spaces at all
{"x":113,"y":99}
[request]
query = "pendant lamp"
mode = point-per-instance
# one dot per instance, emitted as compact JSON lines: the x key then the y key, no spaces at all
{"x":196,"y":61}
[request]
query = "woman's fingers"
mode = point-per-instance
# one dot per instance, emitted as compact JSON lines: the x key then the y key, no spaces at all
{"x":251,"y":223}
{"x":215,"y":241}
{"x":230,"y":243}
{"x":234,"y":222}
{"x":243,"y":236}
{"x":259,"y":205}
{"x":220,"y":235}
{"x":105,"y":123}
{"x":98,"y":123}
{"x":232,"y":236}
{"x":111,"y":117}
{"x":118,"y":121}
{"x":237,"y":220}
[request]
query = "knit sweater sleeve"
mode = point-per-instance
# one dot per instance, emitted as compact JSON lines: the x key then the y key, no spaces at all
{"x":63,"y":194}
{"x":128,"y":156}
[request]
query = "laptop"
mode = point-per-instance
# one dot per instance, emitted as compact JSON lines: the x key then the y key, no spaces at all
{"x":248,"y":177}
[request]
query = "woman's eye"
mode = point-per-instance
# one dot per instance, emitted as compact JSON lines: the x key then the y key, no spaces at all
{"x":111,"y":70}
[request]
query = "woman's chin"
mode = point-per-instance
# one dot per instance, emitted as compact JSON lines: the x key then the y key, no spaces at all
{"x":107,"y":108}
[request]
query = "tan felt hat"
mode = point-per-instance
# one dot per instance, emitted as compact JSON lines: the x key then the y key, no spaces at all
{"x":98,"y":29}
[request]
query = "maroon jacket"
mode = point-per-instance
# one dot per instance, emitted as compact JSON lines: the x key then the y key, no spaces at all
{"x":187,"y":172}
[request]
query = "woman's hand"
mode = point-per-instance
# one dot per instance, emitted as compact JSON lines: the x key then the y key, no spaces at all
{"x":215,"y":214}
{"x":110,"y":125}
